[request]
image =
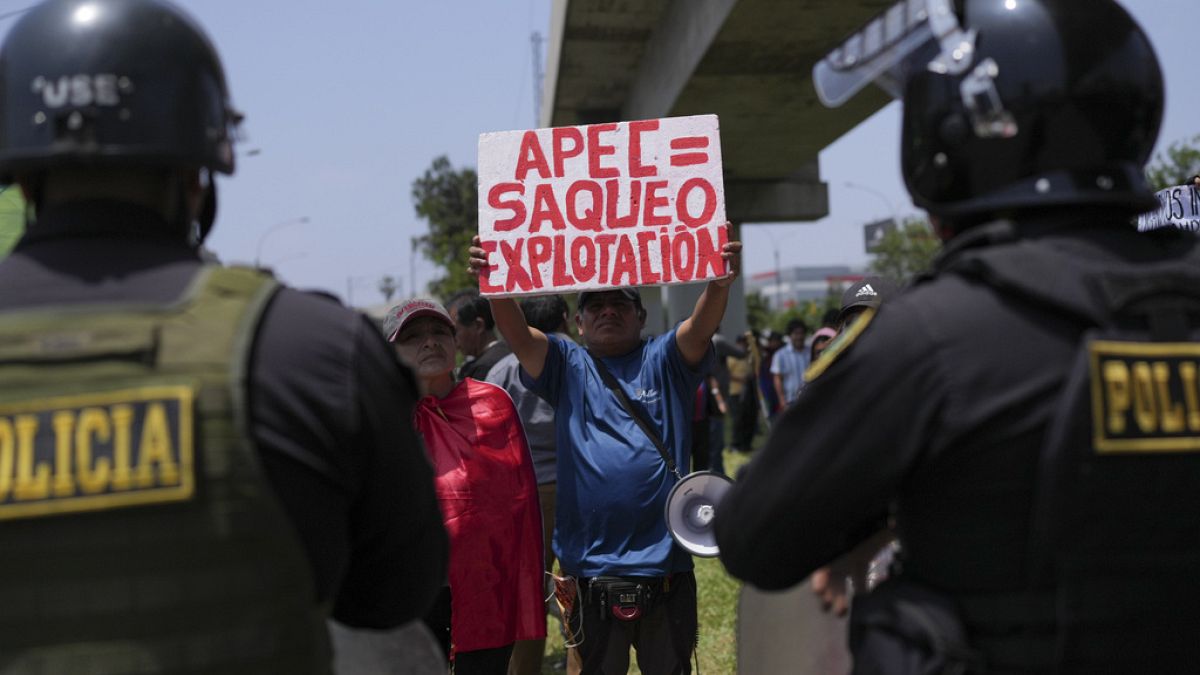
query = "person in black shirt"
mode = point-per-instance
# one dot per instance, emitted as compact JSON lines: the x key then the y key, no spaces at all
{"x":276,"y":479}
{"x":1026,"y":413}
{"x":475,"y":334}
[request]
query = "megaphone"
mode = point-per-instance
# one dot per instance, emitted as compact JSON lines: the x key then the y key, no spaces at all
{"x":691,"y":508}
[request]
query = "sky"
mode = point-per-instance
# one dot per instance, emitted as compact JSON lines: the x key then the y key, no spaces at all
{"x":348,"y":102}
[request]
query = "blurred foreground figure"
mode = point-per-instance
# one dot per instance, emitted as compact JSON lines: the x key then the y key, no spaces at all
{"x":197,"y":466}
{"x":1028,"y":411}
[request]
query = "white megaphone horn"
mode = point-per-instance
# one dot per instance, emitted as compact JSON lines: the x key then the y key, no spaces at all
{"x":691,"y":508}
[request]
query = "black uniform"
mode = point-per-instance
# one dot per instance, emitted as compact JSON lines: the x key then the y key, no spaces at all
{"x":479,"y":367}
{"x":939,"y":410}
{"x":329,"y":407}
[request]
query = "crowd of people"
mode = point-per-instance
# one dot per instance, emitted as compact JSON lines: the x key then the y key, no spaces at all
{"x":200,"y":468}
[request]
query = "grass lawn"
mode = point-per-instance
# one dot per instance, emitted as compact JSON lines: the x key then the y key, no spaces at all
{"x":716,"y":604}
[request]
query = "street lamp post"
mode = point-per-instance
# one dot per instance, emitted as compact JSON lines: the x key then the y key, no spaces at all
{"x":882,"y":197}
{"x":778,"y":273}
{"x":274,"y":228}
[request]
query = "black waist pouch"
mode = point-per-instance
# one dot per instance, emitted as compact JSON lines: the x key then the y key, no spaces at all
{"x":903,"y":628}
{"x":625,"y":598}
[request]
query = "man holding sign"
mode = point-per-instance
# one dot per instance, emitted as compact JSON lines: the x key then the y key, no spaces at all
{"x":626,"y":581}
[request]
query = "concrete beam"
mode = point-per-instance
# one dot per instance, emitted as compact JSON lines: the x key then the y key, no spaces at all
{"x":676,"y":47}
{"x":558,"y":24}
{"x":776,"y":201}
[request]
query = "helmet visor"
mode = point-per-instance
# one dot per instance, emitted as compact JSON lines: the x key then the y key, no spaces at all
{"x":911,"y":34}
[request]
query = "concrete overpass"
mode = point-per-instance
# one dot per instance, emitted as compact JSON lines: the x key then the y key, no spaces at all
{"x":748,"y":61}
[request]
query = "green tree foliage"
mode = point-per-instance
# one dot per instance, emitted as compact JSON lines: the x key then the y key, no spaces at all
{"x":447,"y":199}
{"x":906,"y":251}
{"x":1176,"y":166}
{"x":758,"y":312}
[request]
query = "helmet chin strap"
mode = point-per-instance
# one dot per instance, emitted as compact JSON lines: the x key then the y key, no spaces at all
{"x":196,"y":225}
{"x":208,"y":207}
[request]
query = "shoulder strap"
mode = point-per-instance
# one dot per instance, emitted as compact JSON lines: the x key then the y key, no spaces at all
{"x":636,"y":413}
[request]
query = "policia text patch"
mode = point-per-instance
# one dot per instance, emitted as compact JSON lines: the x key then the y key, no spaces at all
{"x":93,"y":451}
{"x":1145,"y":396}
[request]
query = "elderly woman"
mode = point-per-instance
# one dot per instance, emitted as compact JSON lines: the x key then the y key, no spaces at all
{"x":486,"y":487}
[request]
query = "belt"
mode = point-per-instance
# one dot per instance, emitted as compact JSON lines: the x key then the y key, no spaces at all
{"x":662,"y":584}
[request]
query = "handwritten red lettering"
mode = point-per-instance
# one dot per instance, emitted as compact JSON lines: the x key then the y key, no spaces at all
{"x":530,"y":157}
{"x":485,"y":277}
{"x":645,"y":244}
{"x":596,"y":150}
{"x":560,"y":278}
{"x":625,"y":264}
{"x":518,"y":278}
{"x":583,"y":259}
{"x":652,"y":204}
{"x":545,"y":209}
{"x":636,"y":168}
{"x":515,"y":205}
{"x":540,"y":249}
{"x":589,"y":220}
{"x":706,"y":212}
{"x":612,"y":190}
{"x":604,"y":241}
{"x":683,"y":253}
{"x":560,"y":136}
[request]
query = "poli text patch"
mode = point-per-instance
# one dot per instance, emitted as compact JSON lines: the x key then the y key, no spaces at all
{"x":1145,"y":396}
{"x":99,"y":450}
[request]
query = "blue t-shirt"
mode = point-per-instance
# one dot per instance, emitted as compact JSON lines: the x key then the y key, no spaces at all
{"x":612,"y":483}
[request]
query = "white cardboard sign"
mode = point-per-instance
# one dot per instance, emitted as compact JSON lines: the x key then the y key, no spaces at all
{"x":1178,"y":207}
{"x":602,"y":206}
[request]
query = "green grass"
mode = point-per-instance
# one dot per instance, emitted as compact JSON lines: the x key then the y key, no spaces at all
{"x":716,"y":601}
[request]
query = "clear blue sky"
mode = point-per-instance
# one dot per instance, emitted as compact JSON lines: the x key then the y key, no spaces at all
{"x":349,"y":101}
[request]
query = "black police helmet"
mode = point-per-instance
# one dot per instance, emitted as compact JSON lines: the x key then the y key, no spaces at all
{"x":112,"y":82}
{"x":1060,"y":105}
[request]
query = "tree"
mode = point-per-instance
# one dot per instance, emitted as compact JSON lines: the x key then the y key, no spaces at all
{"x":758,"y":312}
{"x":448,"y":200}
{"x":906,"y":251}
{"x":1176,"y":166}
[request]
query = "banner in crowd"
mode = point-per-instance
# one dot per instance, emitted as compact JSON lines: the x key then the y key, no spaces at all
{"x":1178,"y":207}
{"x":601,"y":206}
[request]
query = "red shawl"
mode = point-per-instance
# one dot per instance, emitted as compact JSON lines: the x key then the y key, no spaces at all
{"x":488,"y":494}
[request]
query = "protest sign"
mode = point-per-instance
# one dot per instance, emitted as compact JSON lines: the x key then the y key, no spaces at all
{"x":602,"y":206}
{"x":1178,"y":207}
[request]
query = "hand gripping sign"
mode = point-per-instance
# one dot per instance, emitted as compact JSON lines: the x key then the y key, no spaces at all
{"x":601,"y":206}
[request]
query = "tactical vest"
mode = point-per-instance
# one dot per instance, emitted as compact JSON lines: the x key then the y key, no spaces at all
{"x":137,"y":531}
{"x":1115,"y":530}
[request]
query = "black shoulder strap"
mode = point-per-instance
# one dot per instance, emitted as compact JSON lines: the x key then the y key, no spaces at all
{"x":636,"y":413}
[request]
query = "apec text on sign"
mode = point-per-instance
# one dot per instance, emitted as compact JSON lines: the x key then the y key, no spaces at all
{"x":601,"y":206}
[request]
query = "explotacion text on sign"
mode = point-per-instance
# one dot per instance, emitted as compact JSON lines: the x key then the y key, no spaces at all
{"x":621,"y":204}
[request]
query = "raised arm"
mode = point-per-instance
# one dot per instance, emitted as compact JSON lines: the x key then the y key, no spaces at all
{"x":528,"y":343}
{"x":695,"y":333}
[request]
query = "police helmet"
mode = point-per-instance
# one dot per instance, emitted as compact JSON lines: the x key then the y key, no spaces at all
{"x":1011,"y":104}
{"x":112,"y":82}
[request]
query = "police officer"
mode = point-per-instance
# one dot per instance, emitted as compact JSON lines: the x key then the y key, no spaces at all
{"x":1034,"y":420}
{"x":197,"y":466}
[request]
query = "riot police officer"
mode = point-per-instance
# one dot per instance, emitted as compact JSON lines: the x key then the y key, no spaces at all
{"x":197,"y":466}
{"x":1028,"y":414}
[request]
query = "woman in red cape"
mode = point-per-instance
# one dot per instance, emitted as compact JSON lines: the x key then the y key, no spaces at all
{"x":487,"y":490}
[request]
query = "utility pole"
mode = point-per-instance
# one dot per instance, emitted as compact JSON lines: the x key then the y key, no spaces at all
{"x":412,"y":268}
{"x":538,"y":76}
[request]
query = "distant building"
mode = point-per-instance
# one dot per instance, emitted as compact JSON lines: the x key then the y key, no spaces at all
{"x":795,"y":285}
